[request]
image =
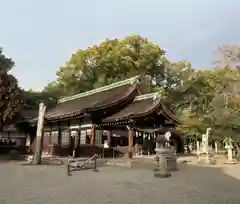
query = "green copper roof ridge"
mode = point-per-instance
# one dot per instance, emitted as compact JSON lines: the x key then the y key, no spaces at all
{"x":131,"y":80}
{"x":153,"y":95}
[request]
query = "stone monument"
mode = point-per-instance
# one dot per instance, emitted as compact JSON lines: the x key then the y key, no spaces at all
{"x":205,"y":141}
{"x":205,"y":157}
{"x":229,"y":148}
{"x":216,"y":147}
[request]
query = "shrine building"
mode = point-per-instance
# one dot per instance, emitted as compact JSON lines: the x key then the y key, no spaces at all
{"x":113,"y":116}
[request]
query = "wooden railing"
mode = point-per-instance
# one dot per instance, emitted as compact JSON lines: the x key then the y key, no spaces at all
{"x":137,"y":149}
{"x":121,"y":149}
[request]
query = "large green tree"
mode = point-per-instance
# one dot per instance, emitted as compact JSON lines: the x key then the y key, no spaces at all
{"x":10,"y":93}
{"x":108,"y":62}
{"x":174,"y":84}
{"x":214,"y":97}
{"x":226,"y":102}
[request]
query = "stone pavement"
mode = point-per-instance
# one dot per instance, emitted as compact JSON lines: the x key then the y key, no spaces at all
{"x":50,"y":185}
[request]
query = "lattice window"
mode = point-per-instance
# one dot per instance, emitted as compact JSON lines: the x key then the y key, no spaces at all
{"x":46,"y":139}
{"x":98,"y":136}
{"x":65,"y":140}
{"x":83,"y":136}
{"x":54,"y":137}
{"x":74,"y":133}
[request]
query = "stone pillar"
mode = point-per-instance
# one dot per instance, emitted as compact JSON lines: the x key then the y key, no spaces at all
{"x":230,"y":156}
{"x":230,"y":159}
{"x":216,"y":147}
{"x":204,"y":144}
{"x":130,"y":142}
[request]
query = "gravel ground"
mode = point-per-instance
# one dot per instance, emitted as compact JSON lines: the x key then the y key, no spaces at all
{"x":50,"y":185}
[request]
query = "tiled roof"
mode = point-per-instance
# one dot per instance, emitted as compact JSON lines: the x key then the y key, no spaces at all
{"x":142,"y":105}
{"x":96,"y":99}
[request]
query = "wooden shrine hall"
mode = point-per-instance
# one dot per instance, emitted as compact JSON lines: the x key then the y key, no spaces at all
{"x":104,"y":117}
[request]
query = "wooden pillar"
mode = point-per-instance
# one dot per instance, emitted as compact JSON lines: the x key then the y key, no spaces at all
{"x":130,"y":142}
{"x":92,"y":136}
{"x":59,"y":132}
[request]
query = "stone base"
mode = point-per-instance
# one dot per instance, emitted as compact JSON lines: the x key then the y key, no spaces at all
{"x":162,"y":174}
{"x":230,"y":162}
{"x":172,"y":162}
{"x":171,"y":158}
{"x":207,"y":159}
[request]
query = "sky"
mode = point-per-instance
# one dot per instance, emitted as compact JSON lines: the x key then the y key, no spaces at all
{"x":40,"y":36}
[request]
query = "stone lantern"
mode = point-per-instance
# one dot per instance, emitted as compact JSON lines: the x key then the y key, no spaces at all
{"x":165,"y":158}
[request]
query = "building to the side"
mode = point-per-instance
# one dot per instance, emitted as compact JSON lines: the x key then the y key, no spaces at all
{"x":110,"y":116}
{"x":18,"y":135}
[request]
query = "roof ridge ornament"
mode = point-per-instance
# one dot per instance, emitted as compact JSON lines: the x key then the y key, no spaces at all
{"x":153,"y":96}
{"x":133,"y":80}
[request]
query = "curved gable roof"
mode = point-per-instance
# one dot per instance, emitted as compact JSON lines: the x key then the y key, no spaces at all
{"x":142,"y":106}
{"x":97,"y":99}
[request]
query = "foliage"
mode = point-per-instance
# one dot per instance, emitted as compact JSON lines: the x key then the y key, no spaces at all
{"x":32,"y":99}
{"x":10,"y":93}
{"x":108,"y":62}
{"x":226,"y":103}
{"x":228,"y":56}
{"x":176,"y":76}
{"x":214,"y":96}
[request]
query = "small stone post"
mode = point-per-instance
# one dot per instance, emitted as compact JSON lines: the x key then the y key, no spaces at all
{"x":216,"y":147}
{"x":198,"y":150}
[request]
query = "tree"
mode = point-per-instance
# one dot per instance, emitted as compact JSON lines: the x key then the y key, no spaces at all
{"x":173,"y":85}
{"x":228,"y":56}
{"x":197,"y":93}
{"x":214,"y":101}
{"x":10,"y":93}
{"x":33,"y":98}
{"x":109,"y":62}
{"x":226,"y":102}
